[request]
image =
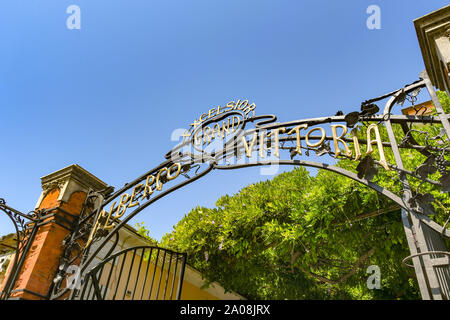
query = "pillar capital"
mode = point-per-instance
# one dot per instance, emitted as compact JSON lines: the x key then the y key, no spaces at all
{"x":69,"y":180}
{"x":433,"y":33}
{"x":63,"y":195}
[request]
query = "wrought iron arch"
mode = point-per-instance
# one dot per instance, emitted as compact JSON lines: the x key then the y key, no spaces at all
{"x":206,"y":147}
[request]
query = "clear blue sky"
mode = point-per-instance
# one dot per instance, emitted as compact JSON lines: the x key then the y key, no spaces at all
{"x":109,"y":95}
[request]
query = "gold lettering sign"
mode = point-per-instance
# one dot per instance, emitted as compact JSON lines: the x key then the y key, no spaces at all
{"x":313,"y":145}
{"x":243,"y":106}
{"x":338,"y":140}
{"x":356,"y":143}
{"x":276,"y":134}
{"x":204,"y":136}
{"x":370,"y":128}
{"x":297,"y":136}
{"x":248,"y":149}
{"x":105,"y":219}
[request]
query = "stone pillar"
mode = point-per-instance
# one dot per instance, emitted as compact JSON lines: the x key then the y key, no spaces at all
{"x":433,"y":33}
{"x":64,"y":192}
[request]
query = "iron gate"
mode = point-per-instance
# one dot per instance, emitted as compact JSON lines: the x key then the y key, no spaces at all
{"x":138,"y":273}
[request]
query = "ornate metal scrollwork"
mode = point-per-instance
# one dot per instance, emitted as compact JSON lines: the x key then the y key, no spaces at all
{"x":20,"y":222}
{"x":25,"y":226}
{"x":198,"y":154}
{"x":74,"y":242}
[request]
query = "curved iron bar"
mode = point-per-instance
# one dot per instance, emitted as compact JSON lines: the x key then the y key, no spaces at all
{"x":24,"y":239}
{"x":318,"y":165}
{"x":422,"y":254}
{"x":412,"y":174}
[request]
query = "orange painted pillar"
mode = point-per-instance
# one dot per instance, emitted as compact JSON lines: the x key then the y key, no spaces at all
{"x":64,"y":192}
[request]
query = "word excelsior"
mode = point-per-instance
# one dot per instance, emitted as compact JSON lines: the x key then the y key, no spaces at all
{"x":244,"y":106}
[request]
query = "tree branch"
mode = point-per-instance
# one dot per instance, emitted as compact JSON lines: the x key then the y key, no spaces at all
{"x":371,"y":214}
{"x":344,"y":277}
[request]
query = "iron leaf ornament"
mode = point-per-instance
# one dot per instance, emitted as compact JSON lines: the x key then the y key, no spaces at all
{"x":423,"y":203}
{"x":445,"y":181}
{"x":324,"y":148}
{"x":292,"y":152}
{"x":352,"y":118}
{"x":367,"y":168}
{"x":427,"y":167}
{"x":369,"y":109}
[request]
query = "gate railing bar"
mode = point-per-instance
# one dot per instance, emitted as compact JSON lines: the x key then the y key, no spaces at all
{"x":160,"y":275}
{"x":181,"y":277}
{"x":146,"y":273}
{"x":138,"y":273}
{"x":167,"y":277}
{"x":86,"y":289}
{"x":97,"y":290}
{"x":174,"y":277}
{"x":99,"y":273}
{"x":153,"y":276}
{"x":120,"y":276}
{"x":129,"y":274}
{"x":81,"y":294}
{"x":109,"y":277}
{"x":90,"y":285}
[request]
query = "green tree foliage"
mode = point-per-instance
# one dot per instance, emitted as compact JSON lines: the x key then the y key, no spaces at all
{"x":299,"y":236}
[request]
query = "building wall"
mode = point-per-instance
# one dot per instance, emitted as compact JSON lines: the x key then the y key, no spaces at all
{"x":420,"y":109}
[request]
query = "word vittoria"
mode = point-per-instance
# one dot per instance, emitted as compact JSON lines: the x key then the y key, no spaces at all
{"x":337,"y":139}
